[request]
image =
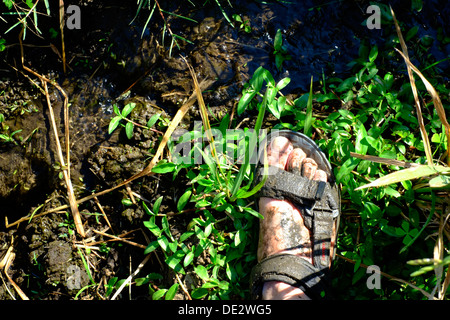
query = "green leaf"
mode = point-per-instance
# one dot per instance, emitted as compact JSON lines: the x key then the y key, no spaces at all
{"x":163,"y":242}
{"x":116,"y":110}
{"x":237,"y":17}
{"x":247,"y":96}
{"x":205,"y":182}
{"x":388,"y":80}
{"x":128,"y":108}
{"x":151,"y":225}
{"x":281,"y":104}
{"x":188,"y":258}
{"x":278,"y":41}
{"x":172,"y":291}
{"x":417,"y":5}
{"x":411,"y":33}
{"x":239,"y":237}
{"x":174,"y":262}
{"x":346,"y":84}
{"x":360,"y":146}
{"x":159,"y":294}
{"x":153,"y":120}
{"x":199,"y":293}
{"x":202,"y":272}
{"x":146,"y":209}
{"x":157,"y":204}
{"x":267,"y":76}
{"x":441,"y":181}
{"x":253,"y":212}
{"x":151,"y":247}
{"x":186,"y":235}
{"x":283,"y":83}
{"x":173,"y":246}
{"x":257,"y":79}
{"x":373,"y":54}
{"x":113,"y":124}
{"x":129,"y":130}
{"x":347,"y":168}
{"x":8,"y":3}
{"x":163,"y":167}
{"x":273,"y":108}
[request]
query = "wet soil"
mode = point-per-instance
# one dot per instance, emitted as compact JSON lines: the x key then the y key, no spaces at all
{"x":112,"y":61}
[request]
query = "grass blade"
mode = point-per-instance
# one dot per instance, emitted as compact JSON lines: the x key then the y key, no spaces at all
{"x":436,"y":100}
{"x":406,"y":174}
{"x":148,"y":19}
{"x":308,"y":120}
{"x":426,"y":142}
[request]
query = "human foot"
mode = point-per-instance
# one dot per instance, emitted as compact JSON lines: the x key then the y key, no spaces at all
{"x":289,"y":223}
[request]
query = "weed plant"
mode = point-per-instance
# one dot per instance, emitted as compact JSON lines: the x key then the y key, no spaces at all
{"x":395,"y":227}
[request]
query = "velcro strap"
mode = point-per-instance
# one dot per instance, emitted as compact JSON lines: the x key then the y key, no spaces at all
{"x":315,"y":199}
{"x":291,"y":269}
{"x":281,"y":184}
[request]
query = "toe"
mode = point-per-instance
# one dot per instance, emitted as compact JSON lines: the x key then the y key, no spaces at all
{"x":278,"y":152}
{"x":309,"y":168}
{"x":294,"y":163}
{"x":320,"y":175}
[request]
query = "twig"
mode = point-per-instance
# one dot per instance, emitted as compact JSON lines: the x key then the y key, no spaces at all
{"x":183,"y":287}
{"x":71,"y":195}
{"x":121,"y":239}
{"x":103,"y":213}
{"x":65,"y":165}
{"x":5,"y":264}
{"x":61,"y":27}
{"x":130,"y":277}
{"x":386,"y":161}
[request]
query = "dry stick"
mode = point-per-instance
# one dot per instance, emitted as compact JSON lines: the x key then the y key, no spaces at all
{"x":70,"y":193}
{"x":103,"y":212}
{"x":61,"y":27}
{"x":183,"y":286}
{"x":121,"y":239}
{"x":5,"y":264}
{"x":439,"y":255}
{"x":128,"y":280}
{"x":446,"y":282}
{"x":66,"y":169}
{"x":386,"y":161}
{"x":423,"y":131}
{"x":436,"y":100}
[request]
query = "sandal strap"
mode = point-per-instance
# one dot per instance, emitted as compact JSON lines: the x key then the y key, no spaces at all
{"x":315,"y":199}
{"x":293,"y":270}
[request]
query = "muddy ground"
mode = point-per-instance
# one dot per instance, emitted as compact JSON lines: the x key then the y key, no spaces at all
{"x":109,"y":62}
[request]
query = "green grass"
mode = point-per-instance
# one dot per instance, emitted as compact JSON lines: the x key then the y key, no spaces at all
{"x":395,"y":226}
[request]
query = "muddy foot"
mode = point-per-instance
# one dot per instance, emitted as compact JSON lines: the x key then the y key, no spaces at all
{"x":283,"y":230}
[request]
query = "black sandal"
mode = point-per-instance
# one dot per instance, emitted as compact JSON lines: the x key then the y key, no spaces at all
{"x":319,"y":203}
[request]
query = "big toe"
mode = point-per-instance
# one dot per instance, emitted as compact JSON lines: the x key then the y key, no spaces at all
{"x":278,"y":152}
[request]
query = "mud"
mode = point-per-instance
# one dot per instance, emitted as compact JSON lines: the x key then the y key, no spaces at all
{"x":110,"y":63}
